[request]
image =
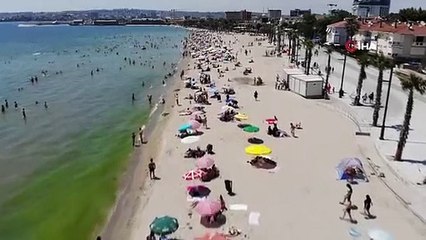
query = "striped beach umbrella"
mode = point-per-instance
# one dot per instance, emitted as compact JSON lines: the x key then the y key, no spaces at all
{"x":193,"y":174}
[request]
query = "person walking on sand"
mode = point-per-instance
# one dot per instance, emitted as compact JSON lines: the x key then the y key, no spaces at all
{"x":205,"y":122}
{"x":151,"y":167}
{"x":256,"y":95}
{"x":133,"y":139}
{"x":347,"y":210}
{"x":367,"y":205}
{"x":348,"y":194}
{"x":292,"y":129}
{"x":177,"y":99}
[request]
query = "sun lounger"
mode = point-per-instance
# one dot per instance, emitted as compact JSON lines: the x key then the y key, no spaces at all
{"x":238,"y":207}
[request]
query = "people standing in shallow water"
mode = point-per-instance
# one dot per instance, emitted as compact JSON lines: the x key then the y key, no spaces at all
{"x":150,"y":99}
{"x":3,"y":110}
{"x":16,"y":104}
{"x":6,"y":103}
{"x":133,"y":97}
{"x":24,"y":115}
{"x":133,"y":139}
{"x":45,"y":105}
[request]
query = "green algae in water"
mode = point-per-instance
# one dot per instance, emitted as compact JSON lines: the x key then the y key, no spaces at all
{"x":68,"y":202}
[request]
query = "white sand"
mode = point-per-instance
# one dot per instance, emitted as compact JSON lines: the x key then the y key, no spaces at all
{"x":301,"y":199}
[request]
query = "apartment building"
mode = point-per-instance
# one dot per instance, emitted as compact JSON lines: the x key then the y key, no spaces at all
{"x":403,"y":41}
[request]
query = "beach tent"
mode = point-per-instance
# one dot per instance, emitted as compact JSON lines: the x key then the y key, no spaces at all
{"x":348,"y":163}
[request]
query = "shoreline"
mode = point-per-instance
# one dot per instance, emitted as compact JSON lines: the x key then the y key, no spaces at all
{"x":133,"y":181}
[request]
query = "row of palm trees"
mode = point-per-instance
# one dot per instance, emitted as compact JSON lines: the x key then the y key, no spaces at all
{"x":410,"y":82}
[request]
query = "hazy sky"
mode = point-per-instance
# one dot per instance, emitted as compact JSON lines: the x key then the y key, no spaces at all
{"x":317,"y":6}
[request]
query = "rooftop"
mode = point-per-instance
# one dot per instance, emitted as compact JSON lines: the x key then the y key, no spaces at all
{"x":417,"y":29}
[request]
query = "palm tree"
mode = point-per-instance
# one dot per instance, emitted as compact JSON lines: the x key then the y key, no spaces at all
{"x":382,"y":63}
{"x":352,"y":27}
{"x":363,"y":61}
{"x":309,"y":45}
{"x":325,"y":93}
{"x":409,"y":83}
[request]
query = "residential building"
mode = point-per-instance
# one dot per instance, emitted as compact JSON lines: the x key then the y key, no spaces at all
{"x":238,"y":15}
{"x":274,"y":15}
{"x":299,"y":12}
{"x":371,"y":8}
{"x":401,"y":41}
{"x":336,"y":34}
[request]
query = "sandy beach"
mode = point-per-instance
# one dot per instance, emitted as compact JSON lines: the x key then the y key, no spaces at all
{"x":297,"y":200}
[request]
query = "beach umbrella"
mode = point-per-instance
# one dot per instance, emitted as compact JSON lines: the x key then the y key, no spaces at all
{"x":378,"y":234}
{"x":193,"y":174}
{"x":164,"y":225}
{"x":243,"y":125}
{"x":241,"y":116}
{"x":208,"y":207}
{"x":198,"y":191}
{"x":205,"y":162}
{"x":226,"y":107}
{"x":194,"y":124}
{"x":184,"y":127}
{"x":251,"y":129}
{"x":258,"y":150}
{"x":255,"y":140}
{"x":190,"y":139}
{"x":212,"y":90}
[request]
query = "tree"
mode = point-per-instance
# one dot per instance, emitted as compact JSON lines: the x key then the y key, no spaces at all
{"x":363,"y":61}
{"x":382,"y":63}
{"x":309,"y":45}
{"x":409,"y":83}
{"x":352,"y":27}
{"x":325,"y":93}
{"x":412,"y":14}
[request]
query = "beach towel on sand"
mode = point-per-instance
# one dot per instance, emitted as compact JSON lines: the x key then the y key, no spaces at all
{"x":254,"y":218}
{"x":238,"y":207}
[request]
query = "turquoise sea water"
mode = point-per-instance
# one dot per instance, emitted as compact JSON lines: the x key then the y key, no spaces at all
{"x":59,"y":167}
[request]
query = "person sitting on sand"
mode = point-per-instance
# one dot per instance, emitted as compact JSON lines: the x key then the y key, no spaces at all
{"x":151,"y":236}
{"x":233,"y":231}
{"x":299,"y":125}
{"x":270,"y":130}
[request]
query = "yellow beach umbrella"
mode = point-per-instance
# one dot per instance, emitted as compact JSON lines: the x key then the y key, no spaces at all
{"x":258,"y":150}
{"x":241,"y":116}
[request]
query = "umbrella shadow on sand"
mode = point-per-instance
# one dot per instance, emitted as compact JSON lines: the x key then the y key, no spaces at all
{"x":220,"y":221}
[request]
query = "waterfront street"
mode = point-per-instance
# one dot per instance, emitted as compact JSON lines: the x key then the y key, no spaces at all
{"x":403,"y":176}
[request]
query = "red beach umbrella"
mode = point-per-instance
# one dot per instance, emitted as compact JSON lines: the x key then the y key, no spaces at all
{"x":208,"y":207}
{"x":205,"y":162}
{"x":193,"y":174}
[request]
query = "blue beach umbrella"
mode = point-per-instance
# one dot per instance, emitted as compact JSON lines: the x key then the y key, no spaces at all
{"x":184,"y":127}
